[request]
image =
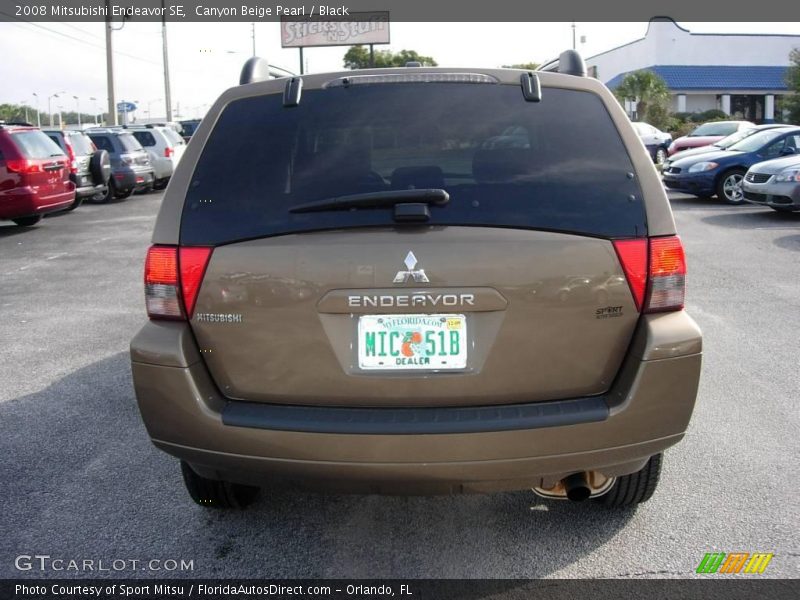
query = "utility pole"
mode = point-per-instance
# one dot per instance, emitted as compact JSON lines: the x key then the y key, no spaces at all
{"x":253,"y":33}
{"x":167,"y":93}
{"x":78,"y":104}
{"x":573,"y":35}
{"x":112,"y":103}
{"x":38,"y":114}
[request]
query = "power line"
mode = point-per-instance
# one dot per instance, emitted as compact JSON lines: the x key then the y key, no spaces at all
{"x":75,"y":39}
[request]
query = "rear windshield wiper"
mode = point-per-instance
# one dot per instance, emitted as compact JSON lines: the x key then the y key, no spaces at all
{"x":375,"y":200}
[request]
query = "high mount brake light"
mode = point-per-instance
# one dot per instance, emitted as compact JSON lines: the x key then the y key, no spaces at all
{"x":656,"y":272}
{"x":172,"y":279}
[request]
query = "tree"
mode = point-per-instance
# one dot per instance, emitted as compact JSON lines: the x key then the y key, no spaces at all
{"x":529,"y":66}
{"x":792,"y":101}
{"x":357,"y":57}
{"x":645,"y":88}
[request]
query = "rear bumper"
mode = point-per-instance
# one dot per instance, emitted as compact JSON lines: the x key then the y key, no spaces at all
{"x":137,"y":179}
{"x":23,"y":202}
{"x":646,"y":411}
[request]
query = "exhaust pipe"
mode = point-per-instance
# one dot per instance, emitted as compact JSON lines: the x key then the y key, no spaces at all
{"x":577,"y":487}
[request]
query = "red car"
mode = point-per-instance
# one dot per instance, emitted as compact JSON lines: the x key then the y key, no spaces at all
{"x":708,"y":133}
{"x":34,"y":175}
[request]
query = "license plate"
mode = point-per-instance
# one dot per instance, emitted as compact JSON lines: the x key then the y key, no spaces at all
{"x":412,"y":342}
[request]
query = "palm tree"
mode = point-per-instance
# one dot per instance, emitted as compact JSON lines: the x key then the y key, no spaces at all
{"x":645,"y":88}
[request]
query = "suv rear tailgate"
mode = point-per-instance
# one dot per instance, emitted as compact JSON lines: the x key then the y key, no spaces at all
{"x":550,"y":315}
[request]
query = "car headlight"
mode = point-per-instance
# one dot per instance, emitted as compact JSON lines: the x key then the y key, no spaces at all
{"x":702,"y":166}
{"x":788,"y":175}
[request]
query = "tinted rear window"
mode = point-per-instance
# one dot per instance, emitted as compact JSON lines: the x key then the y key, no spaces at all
{"x":103,"y":142}
{"x":145,"y":138}
{"x":558,"y":164}
{"x":35,"y":144}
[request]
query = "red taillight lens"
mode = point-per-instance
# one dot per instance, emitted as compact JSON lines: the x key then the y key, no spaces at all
{"x":656,"y":272}
{"x":168,"y":152}
{"x":633,"y":258}
{"x":73,"y":165}
{"x":667,"y":275}
{"x":193,"y":262}
{"x":23,"y":166}
{"x":172,"y":278}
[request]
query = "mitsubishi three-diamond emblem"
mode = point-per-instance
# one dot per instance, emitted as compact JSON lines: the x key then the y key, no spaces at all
{"x":418,"y":276}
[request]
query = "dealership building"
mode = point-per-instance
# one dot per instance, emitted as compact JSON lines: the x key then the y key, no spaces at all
{"x":744,"y":75}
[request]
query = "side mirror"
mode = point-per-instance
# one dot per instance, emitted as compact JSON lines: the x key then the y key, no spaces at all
{"x":788,"y":152}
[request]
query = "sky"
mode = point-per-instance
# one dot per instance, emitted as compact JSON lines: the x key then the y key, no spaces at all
{"x":68,"y":59}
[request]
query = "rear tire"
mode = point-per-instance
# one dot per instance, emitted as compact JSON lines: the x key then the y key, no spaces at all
{"x":729,"y":187}
{"x":633,"y":489}
{"x":28,"y":221}
{"x":211,"y":493}
{"x":160,"y":184}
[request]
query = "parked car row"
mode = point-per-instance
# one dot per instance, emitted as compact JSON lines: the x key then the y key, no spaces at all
{"x":760,"y":165}
{"x":49,"y":170}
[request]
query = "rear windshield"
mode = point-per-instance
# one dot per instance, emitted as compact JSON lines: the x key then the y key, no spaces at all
{"x":35,"y":144}
{"x":558,"y":164}
{"x":173,"y":136}
{"x":129,"y":143}
{"x":81,"y":144}
{"x":715,"y":129}
{"x":189,"y":127}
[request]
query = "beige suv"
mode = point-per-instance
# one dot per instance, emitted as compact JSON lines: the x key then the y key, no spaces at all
{"x":417,"y":281}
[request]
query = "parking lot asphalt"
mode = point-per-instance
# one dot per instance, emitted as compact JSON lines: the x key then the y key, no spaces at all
{"x":82,"y":481}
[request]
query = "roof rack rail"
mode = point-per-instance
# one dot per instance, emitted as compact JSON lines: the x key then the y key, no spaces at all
{"x":569,"y":62}
{"x":258,"y":69}
{"x":17,"y":123}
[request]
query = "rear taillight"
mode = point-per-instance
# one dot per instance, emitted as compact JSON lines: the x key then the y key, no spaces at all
{"x":633,"y":258}
{"x":656,"y":272}
{"x":667,"y":275}
{"x":168,"y":152}
{"x":73,"y":164}
{"x":172,"y":278}
{"x":23,"y":166}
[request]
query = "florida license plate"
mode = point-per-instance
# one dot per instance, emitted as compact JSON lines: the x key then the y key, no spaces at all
{"x":412,"y":342}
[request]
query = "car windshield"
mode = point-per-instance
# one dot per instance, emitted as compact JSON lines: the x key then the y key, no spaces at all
{"x":35,"y":144}
{"x":729,"y":141}
{"x":715,"y":129}
{"x":756,"y":141}
{"x":129,"y":143}
{"x":557,"y":164}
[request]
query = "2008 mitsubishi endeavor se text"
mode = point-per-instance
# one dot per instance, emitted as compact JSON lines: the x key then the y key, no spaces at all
{"x":389,"y":293}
